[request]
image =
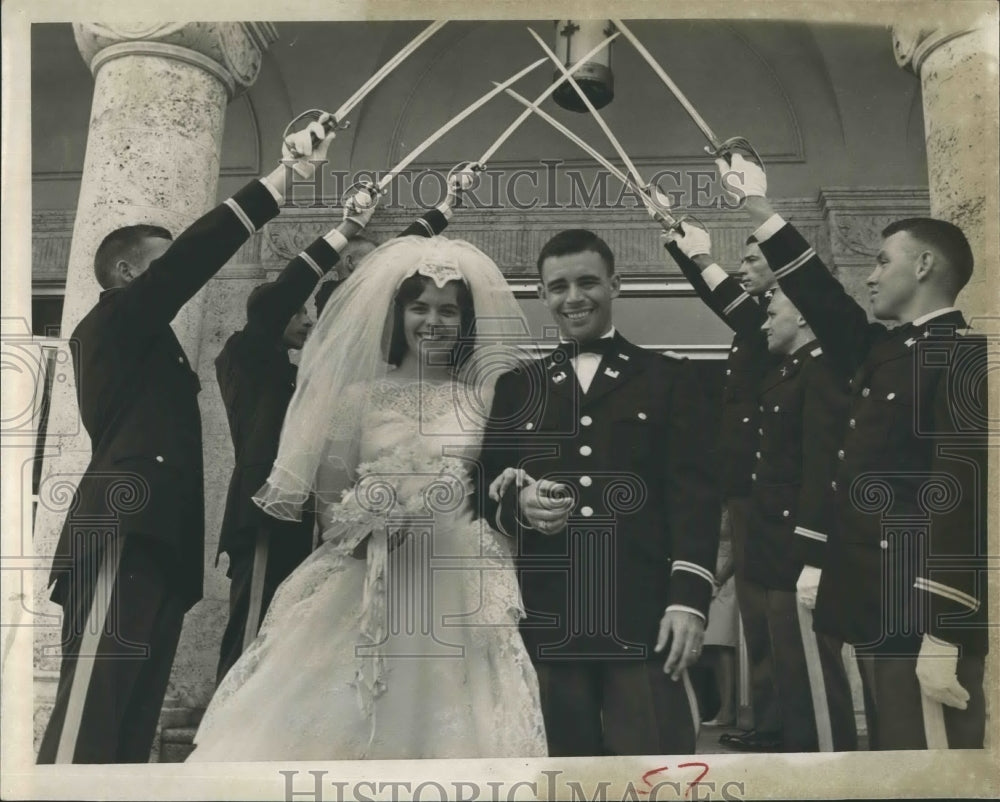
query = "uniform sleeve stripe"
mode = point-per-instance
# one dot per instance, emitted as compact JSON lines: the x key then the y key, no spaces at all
{"x":810,"y":533}
{"x":795,"y":264}
{"x":694,"y":568}
{"x":947,"y":592}
{"x":305,"y":257}
{"x":686,"y":609}
{"x":427,"y":226}
{"x":242,"y":216}
{"x":742,"y":297}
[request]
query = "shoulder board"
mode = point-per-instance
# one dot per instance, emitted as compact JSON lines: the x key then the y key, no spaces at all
{"x":672,"y":355}
{"x":816,"y":351}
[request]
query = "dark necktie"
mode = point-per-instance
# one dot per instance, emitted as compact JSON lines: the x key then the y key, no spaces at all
{"x":600,"y":347}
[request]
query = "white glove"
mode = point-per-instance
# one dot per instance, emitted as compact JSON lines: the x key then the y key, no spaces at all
{"x":359,"y":207}
{"x":693,"y":240}
{"x":742,"y":178}
{"x":308,"y":145}
{"x":807,"y":586}
{"x":937,"y":669}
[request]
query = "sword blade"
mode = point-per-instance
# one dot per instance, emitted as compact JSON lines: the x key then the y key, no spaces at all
{"x":590,"y":107}
{"x":591,"y":151}
{"x":444,"y":129}
{"x":713,"y":140}
{"x":386,"y":68}
{"x":548,"y":91}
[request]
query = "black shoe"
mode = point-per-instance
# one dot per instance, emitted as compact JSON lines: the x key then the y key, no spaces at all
{"x":753,"y":741}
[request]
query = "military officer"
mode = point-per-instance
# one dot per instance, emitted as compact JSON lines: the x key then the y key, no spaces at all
{"x":904,"y":576}
{"x":742,"y":308}
{"x":130,"y":558}
{"x":617,"y":538}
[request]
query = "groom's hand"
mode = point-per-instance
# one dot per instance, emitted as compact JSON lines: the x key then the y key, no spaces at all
{"x":685,"y":632}
{"x":546,"y":506}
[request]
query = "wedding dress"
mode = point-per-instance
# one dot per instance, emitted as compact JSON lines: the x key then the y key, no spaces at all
{"x":397,"y":637}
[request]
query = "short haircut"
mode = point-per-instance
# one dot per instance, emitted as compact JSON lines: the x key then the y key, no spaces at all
{"x":409,"y":290}
{"x":122,"y":243}
{"x":576,"y":240}
{"x":356,"y":243}
{"x":947,"y":238}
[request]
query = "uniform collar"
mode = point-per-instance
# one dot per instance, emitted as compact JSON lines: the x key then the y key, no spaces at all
{"x":924,"y":319}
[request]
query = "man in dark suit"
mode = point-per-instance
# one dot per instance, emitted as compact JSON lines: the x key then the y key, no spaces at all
{"x":129,"y":561}
{"x":742,"y":308}
{"x":801,"y":404}
{"x":904,"y":576}
{"x":257,"y":381}
{"x":617,"y":538}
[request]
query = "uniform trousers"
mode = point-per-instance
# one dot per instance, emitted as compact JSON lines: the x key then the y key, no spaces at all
{"x":751,"y":598}
{"x":604,"y":707}
{"x":255,"y":572}
{"x":814,"y":695}
{"x":120,"y":629}
{"x":899,"y":716}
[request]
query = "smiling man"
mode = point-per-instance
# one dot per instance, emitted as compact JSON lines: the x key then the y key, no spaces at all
{"x":905,"y":571}
{"x":618,"y":535}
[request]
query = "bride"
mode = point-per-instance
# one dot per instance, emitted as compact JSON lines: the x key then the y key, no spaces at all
{"x":397,"y":638}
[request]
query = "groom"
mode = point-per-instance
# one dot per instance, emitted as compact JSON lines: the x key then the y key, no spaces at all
{"x":617,"y":538}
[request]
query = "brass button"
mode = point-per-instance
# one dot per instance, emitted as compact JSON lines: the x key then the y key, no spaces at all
{"x":159,"y":458}
{"x":586,"y":481}
{"x":840,"y":454}
{"x":529,"y":426}
{"x":852,"y":423}
{"x":586,"y":451}
{"x":746,"y":420}
{"x":785,"y":513}
{"x":642,"y":416}
{"x":586,"y":420}
{"x":866,"y":392}
{"x":833,"y":484}
{"x":586,"y":512}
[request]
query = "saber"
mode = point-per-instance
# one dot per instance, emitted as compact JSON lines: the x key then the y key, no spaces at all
{"x":466,"y":170}
{"x":363,"y":198}
{"x":551,"y":88}
{"x":337,"y":118}
{"x":643,"y":192}
{"x":590,"y":107}
{"x":718,"y":147}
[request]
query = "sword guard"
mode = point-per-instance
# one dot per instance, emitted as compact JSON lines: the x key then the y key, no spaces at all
{"x":362,"y":195}
{"x":464,"y":174}
{"x":313,"y":115}
{"x":736,"y":144}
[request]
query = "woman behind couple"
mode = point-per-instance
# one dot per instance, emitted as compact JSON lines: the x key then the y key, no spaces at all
{"x":397,"y":638}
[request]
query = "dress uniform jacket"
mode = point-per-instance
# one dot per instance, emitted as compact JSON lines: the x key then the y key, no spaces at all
{"x":257,"y":380}
{"x":746,"y":364}
{"x":643,"y":532}
{"x":138,"y":399}
{"x":908,"y":556}
{"x":803,"y":406}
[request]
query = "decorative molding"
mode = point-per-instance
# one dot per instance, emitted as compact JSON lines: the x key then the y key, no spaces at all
{"x":842,"y":223}
{"x":912,"y":44}
{"x":231,"y":51}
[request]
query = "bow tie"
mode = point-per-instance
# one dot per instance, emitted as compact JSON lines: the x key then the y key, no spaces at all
{"x":599,"y":347}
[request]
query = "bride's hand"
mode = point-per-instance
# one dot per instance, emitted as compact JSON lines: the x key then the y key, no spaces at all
{"x":499,"y":485}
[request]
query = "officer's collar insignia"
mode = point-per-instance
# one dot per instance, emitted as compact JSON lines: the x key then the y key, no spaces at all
{"x":612,"y":373}
{"x":784,"y":370}
{"x":559,"y":378}
{"x":816,"y":351}
{"x":910,"y":342}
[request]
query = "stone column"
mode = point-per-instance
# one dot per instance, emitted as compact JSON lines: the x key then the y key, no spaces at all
{"x":160,"y":97}
{"x":956,"y":62}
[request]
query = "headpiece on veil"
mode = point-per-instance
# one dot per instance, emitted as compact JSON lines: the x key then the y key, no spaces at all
{"x":345,"y":357}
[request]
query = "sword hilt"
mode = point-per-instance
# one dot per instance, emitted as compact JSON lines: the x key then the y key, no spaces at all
{"x":313,"y":115}
{"x":736,"y":144}
{"x":659,"y":204}
{"x":362,"y":195}
{"x":465,"y":173}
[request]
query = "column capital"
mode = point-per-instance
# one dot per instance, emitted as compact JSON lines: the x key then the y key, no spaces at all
{"x":912,"y":42}
{"x":231,"y":51}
